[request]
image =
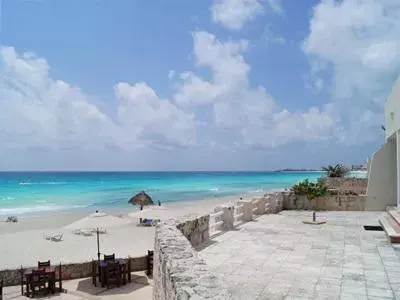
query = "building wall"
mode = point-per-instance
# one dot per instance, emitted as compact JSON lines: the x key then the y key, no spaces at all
{"x":392,"y":110}
{"x":382,"y":175}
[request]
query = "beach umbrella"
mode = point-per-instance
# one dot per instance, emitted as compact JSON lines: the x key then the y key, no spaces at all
{"x":95,"y":221}
{"x":141,"y":199}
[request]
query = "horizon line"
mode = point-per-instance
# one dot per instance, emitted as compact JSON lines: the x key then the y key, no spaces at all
{"x":159,"y":171}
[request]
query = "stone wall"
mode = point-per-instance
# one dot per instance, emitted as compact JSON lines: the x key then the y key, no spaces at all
{"x":275,"y":202}
{"x":355,"y":185}
{"x":343,"y":194}
{"x":196,"y":230}
{"x":334,"y":201}
{"x":179,"y":273}
{"x":70,"y":271}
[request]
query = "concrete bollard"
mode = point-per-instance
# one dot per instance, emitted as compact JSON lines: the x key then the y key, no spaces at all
{"x":247,"y":210}
{"x":228,"y":217}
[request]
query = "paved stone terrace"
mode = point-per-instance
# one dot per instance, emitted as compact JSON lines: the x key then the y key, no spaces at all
{"x":279,"y":257}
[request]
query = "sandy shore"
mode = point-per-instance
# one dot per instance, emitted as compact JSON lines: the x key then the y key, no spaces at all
{"x":23,"y":243}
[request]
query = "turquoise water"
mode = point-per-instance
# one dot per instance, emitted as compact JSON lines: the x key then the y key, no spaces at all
{"x":24,"y":193}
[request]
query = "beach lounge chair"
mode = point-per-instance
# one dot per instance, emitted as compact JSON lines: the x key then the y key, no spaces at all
{"x":148,"y":222}
{"x":86,"y":231}
{"x":55,"y":237}
{"x":76,"y":231}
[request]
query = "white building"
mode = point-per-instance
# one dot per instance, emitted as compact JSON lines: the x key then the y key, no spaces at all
{"x":384,"y":166}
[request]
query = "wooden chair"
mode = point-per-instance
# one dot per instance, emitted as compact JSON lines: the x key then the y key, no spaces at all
{"x":43,"y":264}
{"x":150,"y":255}
{"x":58,"y":278}
{"x":109,"y":257}
{"x":113,"y":274}
{"x":38,"y":282}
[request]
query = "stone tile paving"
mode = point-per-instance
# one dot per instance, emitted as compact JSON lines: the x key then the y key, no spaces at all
{"x":279,"y":257}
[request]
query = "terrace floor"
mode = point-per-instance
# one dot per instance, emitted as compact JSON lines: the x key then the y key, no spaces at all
{"x":279,"y":257}
{"x":82,"y":289}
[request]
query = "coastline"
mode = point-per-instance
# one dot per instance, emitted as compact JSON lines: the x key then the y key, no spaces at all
{"x":57,"y":219}
{"x":26,"y":244}
{"x":41,"y":194}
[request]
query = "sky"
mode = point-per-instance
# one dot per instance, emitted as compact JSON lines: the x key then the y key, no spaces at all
{"x":194,"y":85}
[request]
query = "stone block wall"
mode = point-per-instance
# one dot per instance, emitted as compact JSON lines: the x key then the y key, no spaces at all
{"x":196,"y":230}
{"x":356,"y":185}
{"x":333,"y":202}
{"x":275,"y":202}
{"x":70,"y":271}
{"x":179,"y":273}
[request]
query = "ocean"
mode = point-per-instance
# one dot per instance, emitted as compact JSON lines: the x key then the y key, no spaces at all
{"x":36,"y":193}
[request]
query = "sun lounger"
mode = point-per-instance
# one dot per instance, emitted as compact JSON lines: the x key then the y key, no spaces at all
{"x":55,"y":237}
{"x":149,"y":222}
{"x":85,"y":232}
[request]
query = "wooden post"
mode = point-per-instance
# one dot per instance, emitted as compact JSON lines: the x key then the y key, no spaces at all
{"x":313,"y":216}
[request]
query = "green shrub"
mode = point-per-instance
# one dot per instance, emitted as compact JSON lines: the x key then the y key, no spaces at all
{"x":310,"y":189}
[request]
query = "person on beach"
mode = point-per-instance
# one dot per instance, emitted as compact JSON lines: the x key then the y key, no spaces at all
{"x":159,"y":203}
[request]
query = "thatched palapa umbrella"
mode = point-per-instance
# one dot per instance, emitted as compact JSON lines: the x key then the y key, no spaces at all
{"x":141,"y":199}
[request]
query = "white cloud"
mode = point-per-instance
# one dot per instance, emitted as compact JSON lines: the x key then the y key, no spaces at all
{"x":358,"y":43}
{"x":41,"y":115}
{"x":249,"y":116}
{"x":171,"y":74}
{"x":38,"y":113}
{"x":151,"y":119}
{"x":271,"y":37}
{"x":233,"y":14}
{"x":276,"y":6}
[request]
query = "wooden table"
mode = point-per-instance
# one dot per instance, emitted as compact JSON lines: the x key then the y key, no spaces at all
{"x":125,"y":265}
{"x":50,"y":276}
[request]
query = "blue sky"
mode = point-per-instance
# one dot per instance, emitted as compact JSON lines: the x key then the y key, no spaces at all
{"x":223,"y":84}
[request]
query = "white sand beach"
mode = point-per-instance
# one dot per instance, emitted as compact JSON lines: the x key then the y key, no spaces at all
{"x":24,"y":243}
